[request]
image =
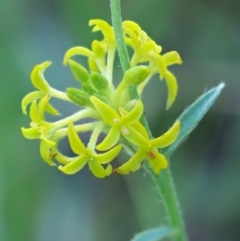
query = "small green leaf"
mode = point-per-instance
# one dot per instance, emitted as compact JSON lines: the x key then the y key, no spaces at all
{"x":155,"y":234}
{"x":192,"y":115}
{"x":79,"y":97}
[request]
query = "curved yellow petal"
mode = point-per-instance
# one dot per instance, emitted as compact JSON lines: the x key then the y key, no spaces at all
{"x":157,"y":161}
{"x":42,"y":106}
{"x":132,"y":165}
{"x":75,"y":142}
{"x":133,"y":36}
{"x":158,"y":65}
{"x":62,"y":159}
{"x":167,"y":138}
{"x":98,"y":170}
{"x":145,"y":58}
{"x":134,"y":115}
{"x":129,"y":42}
{"x":92,"y":65}
{"x":77,"y":51}
{"x":136,"y":138}
{"x":147,"y":47}
{"x":31,"y":133}
{"x":109,"y":155}
{"x":157,"y":48}
{"x":37,"y":77}
{"x":33,"y":113}
{"x":132,"y":25}
{"x":45,"y":145}
{"x":51,"y":110}
{"x":171,"y":82}
{"x":29,"y":98}
{"x":110,"y":140}
{"x":74,"y":166}
{"x":99,"y":49}
{"x":106,"y":112}
{"x":144,"y":37}
{"x":140,"y":128}
{"x":172,"y":57}
{"x":105,"y":28}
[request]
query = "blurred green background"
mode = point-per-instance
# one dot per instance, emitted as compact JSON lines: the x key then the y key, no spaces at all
{"x":38,"y":203}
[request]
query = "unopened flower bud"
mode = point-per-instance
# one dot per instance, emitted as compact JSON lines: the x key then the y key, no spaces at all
{"x":136,"y":75}
{"x":79,"y":97}
{"x":79,"y":72}
{"x":99,"y":81}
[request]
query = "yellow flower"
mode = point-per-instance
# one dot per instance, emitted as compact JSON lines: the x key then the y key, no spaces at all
{"x":93,"y":159}
{"x":141,"y":43}
{"x":156,"y":160}
{"x":43,"y":87}
{"x":120,"y":125}
{"x":114,"y":112}
{"x":146,"y":50}
{"x":97,"y":59}
{"x":45,"y":131}
{"x":40,"y":128}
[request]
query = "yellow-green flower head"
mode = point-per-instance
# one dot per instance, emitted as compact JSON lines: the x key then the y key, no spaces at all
{"x":120,"y":125}
{"x":146,"y":50}
{"x":106,"y":108}
{"x":156,"y":160}
{"x":93,"y":159}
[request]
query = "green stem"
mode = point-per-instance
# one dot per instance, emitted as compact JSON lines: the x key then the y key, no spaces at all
{"x":79,"y":128}
{"x":82,"y":114}
{"x":59,"y":94}
{"x":166,"y":188}
{"x":95,"y":134}
{"x":164,"y":181}
{"x":117,"y":26}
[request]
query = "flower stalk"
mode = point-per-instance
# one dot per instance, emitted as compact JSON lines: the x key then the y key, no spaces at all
{"x":163,"y":181}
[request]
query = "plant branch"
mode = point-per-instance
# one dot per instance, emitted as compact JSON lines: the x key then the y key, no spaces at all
{"x":164,"y":181}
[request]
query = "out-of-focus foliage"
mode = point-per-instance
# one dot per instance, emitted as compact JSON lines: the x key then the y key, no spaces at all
{"x":154,"y":234}
{"x":37,"y":203}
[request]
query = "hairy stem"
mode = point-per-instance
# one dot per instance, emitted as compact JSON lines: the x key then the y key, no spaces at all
{"x":117,"y":26}
{"x":163,"y":181}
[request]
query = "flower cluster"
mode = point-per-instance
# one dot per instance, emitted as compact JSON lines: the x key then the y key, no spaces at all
{"x":112,"y":110}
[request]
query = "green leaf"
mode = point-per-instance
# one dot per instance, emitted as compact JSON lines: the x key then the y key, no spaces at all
{"x":192,"y":115}
{"x":154,"y":234}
